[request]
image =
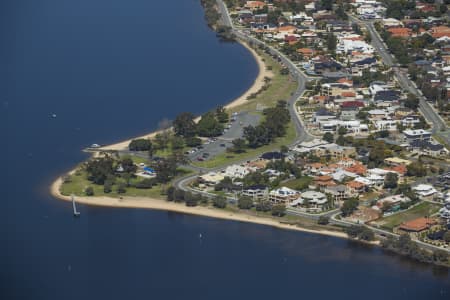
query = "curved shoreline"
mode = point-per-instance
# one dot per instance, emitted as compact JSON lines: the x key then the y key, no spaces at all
{"x":159,"y":204}
{"x":255,"y":87}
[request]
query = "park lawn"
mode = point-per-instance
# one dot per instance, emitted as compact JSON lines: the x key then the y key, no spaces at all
{"x":421,"y":210}
{"x":136,"y":159}
{"x":281,"y":87}
{"x":79,"y":183}
{"x":228,"y":158}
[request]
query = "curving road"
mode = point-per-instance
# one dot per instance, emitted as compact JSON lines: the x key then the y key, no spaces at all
{"x":297,"y":74}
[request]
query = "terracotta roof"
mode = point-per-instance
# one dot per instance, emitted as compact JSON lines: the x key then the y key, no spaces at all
{"x":287,"y":28}
{"x":326,"y":183}
{"x":357,"y":169}
{"x":345,"y":80}
{"x":440,"y":31}
{"x":355,"y":184}
{"x":400,"y":32}
{"x":401,"y":169}
{"x":348,"y":94}
{"x":352,"y":104}
{"x":323,"y":178}
{"x":306,"y":51}
{"x":418,"y":224}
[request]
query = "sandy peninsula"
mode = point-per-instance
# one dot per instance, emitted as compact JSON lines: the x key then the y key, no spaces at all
{"x":159,"y":204}
{"x":257,"y":85}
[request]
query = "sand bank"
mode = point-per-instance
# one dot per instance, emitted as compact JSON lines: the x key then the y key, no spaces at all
{"x":158,"y":204}
{"x":257,"y":85}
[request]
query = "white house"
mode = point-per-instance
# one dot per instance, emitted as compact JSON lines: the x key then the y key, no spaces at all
{"x":424,"y":190}
{"x":235,"y":171}
{"x":283,"y":195}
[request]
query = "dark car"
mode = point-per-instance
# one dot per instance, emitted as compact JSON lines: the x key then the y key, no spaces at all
{"x":200,"y":158}
{"x":223,"y":145}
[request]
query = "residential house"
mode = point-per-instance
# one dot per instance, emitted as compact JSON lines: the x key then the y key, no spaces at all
{"x":283,"y":195}
{"x":256,"y":192}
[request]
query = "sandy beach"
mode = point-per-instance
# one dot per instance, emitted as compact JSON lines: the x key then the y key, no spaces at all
{"x":257,"y":85}
{"x":159,"y":204}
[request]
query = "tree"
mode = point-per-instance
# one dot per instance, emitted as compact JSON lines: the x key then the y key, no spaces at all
{"x":193,"y":141}
{"x":239,"y":145}
{"x":447,"y":237}
{"x":349,"y":206}
{"x":107,"y":187}
{"x":366,"y":234}
{"x":89,"y":191}
{"x":323,"y":220}
{"x":328,"y":136}
{"x":220,"y":201}
{"x":412,"y":101}
{"x":209,"y":125}
{"x":184,"y":125}
{"x":279,"y":210}
{"x":331,"y":42}
{"x":390,"y":180}
{"x":177,"y":142}
{"x":170,"y":193}
{"x":326,"y":4}
{"x":140,"y":145}
{"x":417,"y":169}
{"x":191,"y":199}
{"x":263,"y":206}
{"x":99,"y":169}
{"x":342,"y":130}
{"x":121,"y":188}
{"x":245,"y":202}
{"x":221,"y":114}
{"x":161,"y":140}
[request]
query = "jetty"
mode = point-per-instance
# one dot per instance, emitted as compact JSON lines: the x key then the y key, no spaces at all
{"x":75,"y":212}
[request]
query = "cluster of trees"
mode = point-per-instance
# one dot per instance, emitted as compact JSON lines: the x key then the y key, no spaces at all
{"x":140,"y":145}
{"x":391,"y":180}
{"x":416,"y":168}
{"x":360,"y":232}
{"x":190,"y":199}
{"x":398,"y":8}
{"x":120,"y":172}
{"x":108,"y":172}
{"x":349,"y":206}
{"x":404,"y":245}
{"x":210,"y":124}
{"x":274,"y":125}
{"x":212,"y":16}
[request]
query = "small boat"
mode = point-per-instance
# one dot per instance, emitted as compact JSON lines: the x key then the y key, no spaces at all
{"x":200,"y":235}
{"x":95,"y":146}
{"x":53,"y":115}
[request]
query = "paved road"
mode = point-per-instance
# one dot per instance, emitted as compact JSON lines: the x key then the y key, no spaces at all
{"x":297,"y":74}
{"x":406,"y":84}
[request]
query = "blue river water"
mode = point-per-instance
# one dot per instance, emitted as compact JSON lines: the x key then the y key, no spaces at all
{"x":112,"y":69}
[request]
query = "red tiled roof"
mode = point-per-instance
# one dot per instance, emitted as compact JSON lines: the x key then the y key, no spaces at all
{"x":352,"y":104}
{"x":418,"y":224}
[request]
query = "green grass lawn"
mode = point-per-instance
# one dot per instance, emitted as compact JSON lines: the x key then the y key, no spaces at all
{"x":280,"y":88}
{"x":421,"y":210}
{"x":79,"y":183}
{"x":298,"y":183}
{"x":228,"y":158}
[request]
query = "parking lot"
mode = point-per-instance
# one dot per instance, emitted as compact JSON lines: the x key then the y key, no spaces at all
{"x":218,"y":145}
